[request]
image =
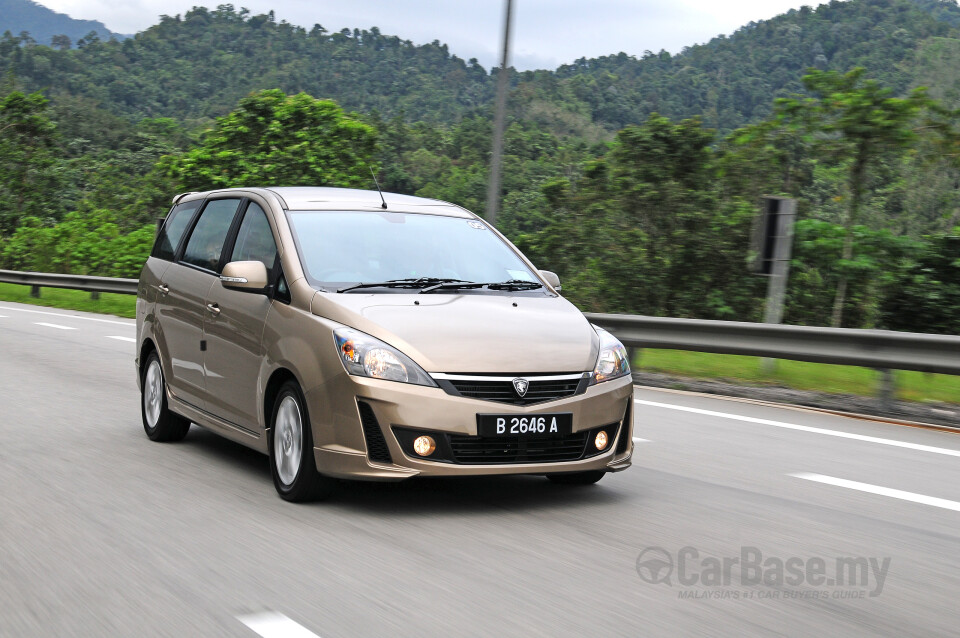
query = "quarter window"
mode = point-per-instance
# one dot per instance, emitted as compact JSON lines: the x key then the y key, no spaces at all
{"x":173,"y":228}
{"x":206,"y":240}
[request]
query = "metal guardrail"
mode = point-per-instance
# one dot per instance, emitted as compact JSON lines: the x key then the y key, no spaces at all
{"x":843,"y":346}
{"x":73,"y":282}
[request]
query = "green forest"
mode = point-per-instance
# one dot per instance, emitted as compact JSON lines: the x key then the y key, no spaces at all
{"x":637,"y":179}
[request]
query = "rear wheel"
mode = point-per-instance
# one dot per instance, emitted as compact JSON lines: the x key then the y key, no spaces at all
{"x":292,"y":463}
{"x":159,"y":422}
{"x":577,"y":478}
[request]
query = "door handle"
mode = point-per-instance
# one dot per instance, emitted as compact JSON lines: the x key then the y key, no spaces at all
{"x":214,"y":308}
{"x":164,"y":288}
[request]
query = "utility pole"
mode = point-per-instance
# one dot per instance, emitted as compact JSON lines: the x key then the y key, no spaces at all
{"x":775,"y":251}
{"x":781,"y":217}
{"x":493,"y":189}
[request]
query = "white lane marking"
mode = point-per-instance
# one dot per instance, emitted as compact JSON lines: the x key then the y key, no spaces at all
{"x":60,"y":314}
{"x":882,"y":491}
{"x":53,"y":325}
{"x":636,"y":440}
{"x":270,"y":624}
{"x":130,"y":339}
{"x":806,"y":428}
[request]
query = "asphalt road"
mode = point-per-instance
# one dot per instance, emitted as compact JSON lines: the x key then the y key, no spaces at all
{"x":103,"y":533}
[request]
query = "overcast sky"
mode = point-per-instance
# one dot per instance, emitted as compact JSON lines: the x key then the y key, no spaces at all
{"x":547,"y":32}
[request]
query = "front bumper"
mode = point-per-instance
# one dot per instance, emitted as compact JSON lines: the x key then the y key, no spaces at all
{"x":343,"y":450}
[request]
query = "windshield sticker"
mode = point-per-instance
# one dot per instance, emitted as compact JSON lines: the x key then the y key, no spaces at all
{"x":477,"y":225}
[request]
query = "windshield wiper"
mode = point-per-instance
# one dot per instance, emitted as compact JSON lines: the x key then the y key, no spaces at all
{"x":457,"y":283}
{"x":418,"y":282}
{"x":515,"y":284}
{"x":511,"y":284}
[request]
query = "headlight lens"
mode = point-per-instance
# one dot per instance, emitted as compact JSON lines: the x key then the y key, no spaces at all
{"x":365,"y":356}
{"x":613,"y":361}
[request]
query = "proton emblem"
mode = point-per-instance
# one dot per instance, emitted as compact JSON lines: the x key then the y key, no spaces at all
{"x":521,"y":385}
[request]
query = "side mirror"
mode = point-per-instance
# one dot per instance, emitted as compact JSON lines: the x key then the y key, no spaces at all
{"x":552,"y":279}
{"x":248,"y":276}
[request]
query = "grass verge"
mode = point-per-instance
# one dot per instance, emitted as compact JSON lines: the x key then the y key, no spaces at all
{"x":108,"y":303}
{"x":800,"y":375}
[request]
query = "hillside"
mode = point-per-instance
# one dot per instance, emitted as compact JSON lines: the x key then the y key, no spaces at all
{"x":197,"y":66}
{"x":731,"y":81}
{"x":17,"y":16}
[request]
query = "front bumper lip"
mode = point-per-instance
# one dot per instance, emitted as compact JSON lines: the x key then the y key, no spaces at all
{"x":432,"y":410}
{"x":352,"y":465}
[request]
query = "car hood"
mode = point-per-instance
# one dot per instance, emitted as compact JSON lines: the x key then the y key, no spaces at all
{"x":471,"y":333}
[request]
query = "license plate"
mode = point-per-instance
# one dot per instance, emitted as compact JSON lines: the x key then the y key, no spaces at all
{"x":512,"y":425}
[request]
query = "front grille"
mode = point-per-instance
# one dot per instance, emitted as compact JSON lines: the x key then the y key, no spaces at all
{"x":504,"y":392}
{"x":480,"y":450}
{"x":377,"y":449}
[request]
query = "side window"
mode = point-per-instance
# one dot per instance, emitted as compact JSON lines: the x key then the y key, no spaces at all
{"x":206,"y":240}
{"x":255,"y":240}
{"x":173,"y":228}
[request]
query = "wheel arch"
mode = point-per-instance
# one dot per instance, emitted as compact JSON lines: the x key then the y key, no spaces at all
{"x":146,"y":348}
{"x":272,"y":388}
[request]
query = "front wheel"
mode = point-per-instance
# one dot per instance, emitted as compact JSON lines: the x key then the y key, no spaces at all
{"x":159,"y":422}
{"x":577,"y":478}
{"x":292,"y":463}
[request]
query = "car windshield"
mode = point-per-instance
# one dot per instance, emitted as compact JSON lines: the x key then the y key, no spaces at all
{"x":338,"y":249}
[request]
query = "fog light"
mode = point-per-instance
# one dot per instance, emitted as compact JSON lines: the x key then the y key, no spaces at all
{"x":425,"y":445}
{"x":601,"y":440}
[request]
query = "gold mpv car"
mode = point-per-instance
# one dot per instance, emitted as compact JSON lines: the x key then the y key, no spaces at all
{"x":350,"y":336}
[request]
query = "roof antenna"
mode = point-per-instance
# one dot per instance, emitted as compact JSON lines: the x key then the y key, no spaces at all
{"x":384,"y":206}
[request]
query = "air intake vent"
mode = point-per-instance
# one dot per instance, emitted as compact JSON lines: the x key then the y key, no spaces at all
{"x":377,"y":449}
{"x":543,"y":449}
{"x":624,"y":443}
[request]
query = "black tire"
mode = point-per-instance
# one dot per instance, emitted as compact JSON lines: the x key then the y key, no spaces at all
{"x":303,"y":482}
{"x":577,"y":478}
{"x":159,"y":422}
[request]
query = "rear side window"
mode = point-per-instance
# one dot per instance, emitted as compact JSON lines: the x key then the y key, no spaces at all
{"x":255,"y":240}
{"x":208,"y":236}
{"x":173,"y":228}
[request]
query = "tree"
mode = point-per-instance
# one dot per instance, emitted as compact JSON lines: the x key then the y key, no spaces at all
{"x":274,"y":139}
{"x":61,"y":42}
{"x":856,"y":121}
{"x":83,"y":243}
{"x":927,"y":295}
{"x":27,"y":137}
{"x":644,"y":230}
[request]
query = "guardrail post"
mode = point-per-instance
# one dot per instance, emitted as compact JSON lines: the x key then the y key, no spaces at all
{"x":35,"y":292}
{"x":95,"y":295}
{"x":888,"y":388}
{"x":633,"y":354}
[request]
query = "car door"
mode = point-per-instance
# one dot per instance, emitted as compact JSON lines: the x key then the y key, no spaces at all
{"x":184,"y":287}
{"x":234,"y":330}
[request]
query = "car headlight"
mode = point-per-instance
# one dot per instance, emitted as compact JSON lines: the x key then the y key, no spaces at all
{"x":613,"y":361}
{"x":364,"y":356}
